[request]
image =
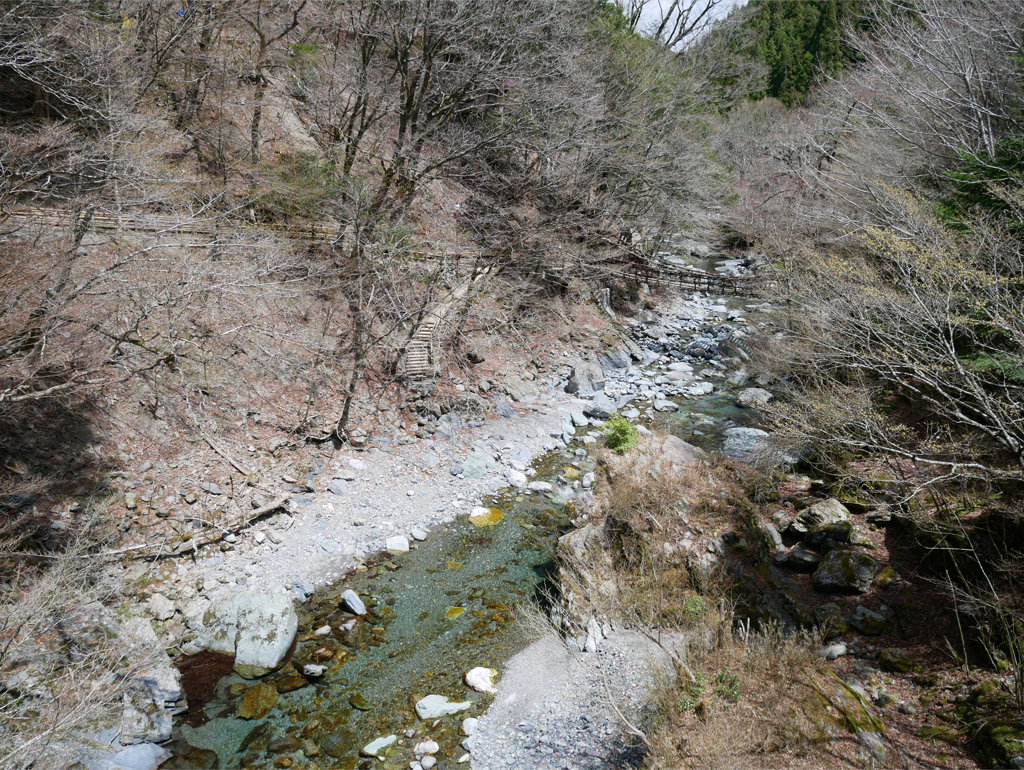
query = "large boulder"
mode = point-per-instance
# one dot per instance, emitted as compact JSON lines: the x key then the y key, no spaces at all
{"x":742,"y":442}
{"x":749,"y":398}
{"x":586,"y":378}
{"x":258,"y":629}
{"x":478,"y":462}
{"x":845,"y":572}
{"x":829,"y":511}
{"x":601,"y":408}
{"x":674,"y":454}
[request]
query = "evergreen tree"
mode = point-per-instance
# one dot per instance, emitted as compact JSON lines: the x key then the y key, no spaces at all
{"x":798,"y":39}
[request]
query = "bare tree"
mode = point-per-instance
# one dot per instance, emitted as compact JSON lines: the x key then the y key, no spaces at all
{"x":673,"y":23}
{"x":256,"y":19}
{"x":943,"y":76}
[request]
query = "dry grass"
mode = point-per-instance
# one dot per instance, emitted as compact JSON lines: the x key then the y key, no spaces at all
{"x":755,"y":704}
{"x":742,"y":699}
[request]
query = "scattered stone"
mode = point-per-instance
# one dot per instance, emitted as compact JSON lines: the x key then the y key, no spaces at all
{"x":468,"y":726}
{"x":397,"y":544}
{"x":601,"y":408}
{"x":742,"y":442}
{"x":211,"y":488}
{"x":485,"y":517}
{"x":833,"y":651}
{"x":802,"y":559}
{"x":516,"y":478}
{"x":160,"y":607}
{"x":663,"y":405}
{"x":426,"y":747}
{"x":750,"y":398}
{"x":257,"y":701}
{"x":302,"y":589}
{"x":419,"y":535}
{"x":351,"y":602}
{"x":540,"y":486}
{"x":313,"y":669}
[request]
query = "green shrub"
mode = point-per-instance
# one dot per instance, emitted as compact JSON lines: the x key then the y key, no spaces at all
{"x":620,"y":434}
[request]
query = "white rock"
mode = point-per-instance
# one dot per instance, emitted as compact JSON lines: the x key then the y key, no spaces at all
{"x":140,"y":630}
{"x":426,"y":747}
{"x":833,"y":651}
{"x":434,"y":706}
{"x":322,"y":631}
{"x":468,"y":726}
{"x":313,"y":669}
{"x":397,"y":544}
{"x":517,"y":478}
{"x":463,"y":759}
{"x":160,"y":607}
{"x":419,"y":534}
{"x":351,"y":602}
{"x":259,"y":537}
{"x":257,"y":628}
{"x":427,"y":762}
{"x":540,"y":486}
{"x":481,"y":679}
{"x":374,"y":747}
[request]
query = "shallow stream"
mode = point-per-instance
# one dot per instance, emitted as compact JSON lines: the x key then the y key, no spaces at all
{"x":445,"y":607}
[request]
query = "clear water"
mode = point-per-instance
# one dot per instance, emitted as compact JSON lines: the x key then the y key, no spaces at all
{"x":434,"y":613}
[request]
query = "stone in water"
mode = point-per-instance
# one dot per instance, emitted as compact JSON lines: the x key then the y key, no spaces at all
{"x":481,"y":679}
{"x":434,"y":706}
{"x":485,"y":517}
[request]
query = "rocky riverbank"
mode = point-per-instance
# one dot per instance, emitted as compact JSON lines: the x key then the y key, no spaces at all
{"x":391,"y":494}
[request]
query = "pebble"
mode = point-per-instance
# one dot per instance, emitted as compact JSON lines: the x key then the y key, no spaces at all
{"x":426,"y":747}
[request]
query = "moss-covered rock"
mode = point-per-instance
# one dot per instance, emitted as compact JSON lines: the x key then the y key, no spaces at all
{"x":845,"y":572}
{"x":257,"y":701}
{"x":987,"y":693}
{"x":830,"y":620}
{"x":826,"y":512}
{"x":833,"y":533}
{"x":896,"y":660}
{"x":999,"y":742}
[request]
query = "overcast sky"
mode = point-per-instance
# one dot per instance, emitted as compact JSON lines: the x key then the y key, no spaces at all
{"x":655,"y":9}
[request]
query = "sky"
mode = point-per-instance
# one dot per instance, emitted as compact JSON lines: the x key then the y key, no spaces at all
{"x":655,"y":9}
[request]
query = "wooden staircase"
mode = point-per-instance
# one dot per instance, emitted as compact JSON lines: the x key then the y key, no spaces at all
{"x":418,"y":359}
